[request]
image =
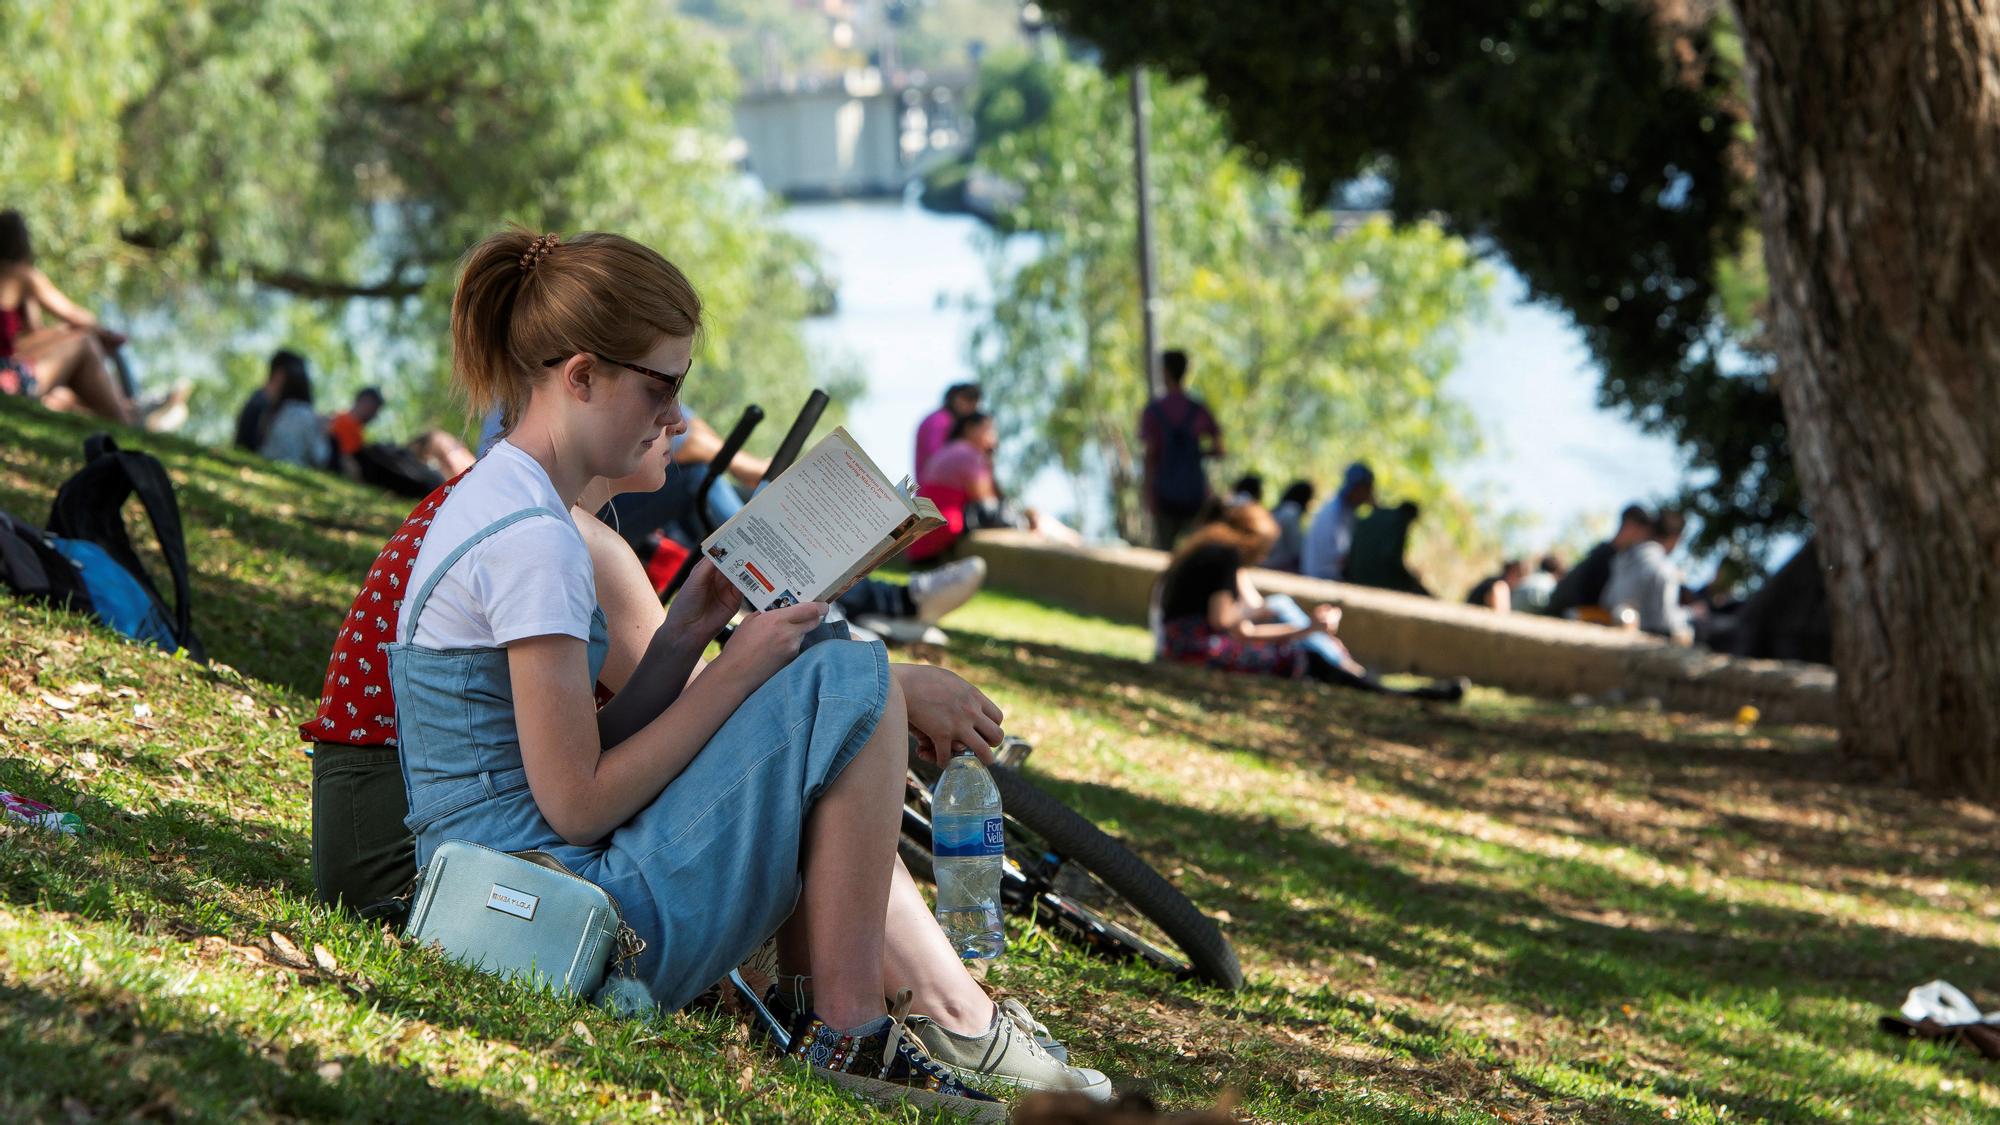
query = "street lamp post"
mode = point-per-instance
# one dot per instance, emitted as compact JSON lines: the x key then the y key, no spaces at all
{"x":1150,"y":360}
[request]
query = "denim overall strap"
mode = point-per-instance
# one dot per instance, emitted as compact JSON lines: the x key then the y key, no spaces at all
{"x":458,"y":552}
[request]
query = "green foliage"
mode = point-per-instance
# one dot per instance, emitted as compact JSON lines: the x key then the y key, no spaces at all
{"x":235,"y":175}
{"x":1314,"y":340}
{"x":1599,"y":144}
{"x":1015,"y":90}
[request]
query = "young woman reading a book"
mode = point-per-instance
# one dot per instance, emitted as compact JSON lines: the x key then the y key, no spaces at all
{"x":762,"y":796}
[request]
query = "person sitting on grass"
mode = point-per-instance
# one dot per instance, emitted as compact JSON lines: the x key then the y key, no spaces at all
{"x":1291,"y":515}
{"x":1496,"y":591}
{"x":965,"y":471}
{"x":758,"y":798}
{"x":250,"y":419}
{"x":66,"y":365}
{"x":1211,"y":614}
{"x":293,"y":432}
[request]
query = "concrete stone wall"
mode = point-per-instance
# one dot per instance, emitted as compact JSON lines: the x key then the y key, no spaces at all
{"x":1393,"y":632}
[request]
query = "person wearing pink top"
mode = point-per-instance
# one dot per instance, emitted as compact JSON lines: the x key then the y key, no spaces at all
{"x":963,"y":472}
{"x":960,"y":399}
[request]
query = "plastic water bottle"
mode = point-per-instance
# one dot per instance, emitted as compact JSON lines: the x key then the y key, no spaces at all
{"x":967,"y":845}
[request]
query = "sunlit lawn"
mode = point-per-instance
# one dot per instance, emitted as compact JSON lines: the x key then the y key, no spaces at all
{"x":1509,"y":910}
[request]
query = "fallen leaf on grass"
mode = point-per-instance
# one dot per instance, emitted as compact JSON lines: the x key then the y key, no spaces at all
{"x":323,"y":957}
{"x":746,"y":1079}
{"x":583,"y":1032}
{"x":331,"y":1071}
{"x":58,"y":702}
{"x":288,"y":952}
{"x":83,"y":689}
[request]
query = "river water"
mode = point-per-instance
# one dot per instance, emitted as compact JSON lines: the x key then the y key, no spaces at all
{"x":906,"y":276}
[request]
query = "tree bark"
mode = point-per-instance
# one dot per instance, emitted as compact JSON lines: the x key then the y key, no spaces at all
{"x":1878,"y":149}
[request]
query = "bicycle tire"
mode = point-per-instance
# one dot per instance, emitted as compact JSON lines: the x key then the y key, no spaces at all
{"x":1208,"y":953}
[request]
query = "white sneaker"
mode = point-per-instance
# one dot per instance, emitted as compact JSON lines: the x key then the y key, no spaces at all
{"x":901,"y":630}
{"x":938,"y":592}
{"x":1006,"y":1058}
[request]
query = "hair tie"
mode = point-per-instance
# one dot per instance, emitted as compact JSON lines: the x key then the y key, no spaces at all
{"x":537,"y":250}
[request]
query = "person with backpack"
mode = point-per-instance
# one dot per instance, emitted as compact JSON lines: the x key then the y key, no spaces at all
{"x":756,"y":799}
{"x":1178,"y":433}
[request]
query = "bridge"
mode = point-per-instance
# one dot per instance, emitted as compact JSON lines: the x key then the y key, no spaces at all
{"x":861,"y":134}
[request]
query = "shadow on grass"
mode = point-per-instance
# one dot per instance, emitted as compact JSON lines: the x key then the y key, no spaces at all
{"x":175,"y":847}
{"x":1581,"y":971}
{"x":1544,"y":771}
{"x":73,"y":1054}
{"x":1509,"y":942}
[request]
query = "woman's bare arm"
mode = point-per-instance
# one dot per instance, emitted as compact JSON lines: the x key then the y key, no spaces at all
{"x":57,"y":302}
{"x":582,"y":790}
{"x":1225,"y":613}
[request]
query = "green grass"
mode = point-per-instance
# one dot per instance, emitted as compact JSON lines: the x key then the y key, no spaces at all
{"x":1510,"y":911}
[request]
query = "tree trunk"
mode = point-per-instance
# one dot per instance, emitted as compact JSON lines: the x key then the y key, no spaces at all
{"x":1878,"y":152}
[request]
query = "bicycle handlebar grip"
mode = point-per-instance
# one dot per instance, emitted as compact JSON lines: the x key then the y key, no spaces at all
{"x":795,"y":438}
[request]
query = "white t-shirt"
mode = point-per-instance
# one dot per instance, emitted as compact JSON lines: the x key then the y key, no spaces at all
{"x":530,"y":579}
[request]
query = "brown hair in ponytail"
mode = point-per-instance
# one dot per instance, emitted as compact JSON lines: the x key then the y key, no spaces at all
{"x":523,"y":299}
{"x":1248,"y":527}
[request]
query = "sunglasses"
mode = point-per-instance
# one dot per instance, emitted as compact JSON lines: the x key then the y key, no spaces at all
{"x":673,"y":382}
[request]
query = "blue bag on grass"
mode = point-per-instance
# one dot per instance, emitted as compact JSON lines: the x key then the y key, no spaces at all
{"x":116,"y":596}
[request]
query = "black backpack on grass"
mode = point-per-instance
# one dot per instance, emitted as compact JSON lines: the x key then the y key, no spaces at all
{"x":86,"y":547}
{"x":31,"y":566}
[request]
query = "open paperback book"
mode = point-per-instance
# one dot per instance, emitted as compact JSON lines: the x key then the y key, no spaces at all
{"x":829,"y":519}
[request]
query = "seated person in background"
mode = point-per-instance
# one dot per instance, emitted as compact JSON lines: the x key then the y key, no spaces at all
{"x":1531,"y":593}
{"x":1645,"y":579}
{"x":66,"y":365}
{"x":293,"y":432}
{"x":934,"y":431}
{"x":1210,"y":613}
{"x":1290,"y":514}
{"x":1496,"y":591}
{"x":1332,"y":533}
{"x":963,"y":471}
{"x":1583,"y":586}
{"x":1248,"y":489}
{"x":410,"y":469}
{"x":346,"y":428}
{"x":1787,"y":618}
{"x":250,"y":419}
{"x":1376,"y":558}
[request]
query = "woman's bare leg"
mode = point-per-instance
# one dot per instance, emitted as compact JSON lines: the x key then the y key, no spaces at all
{"x":917,"y":956}
{"x":850,"y":834}
{"x":71,"y":358}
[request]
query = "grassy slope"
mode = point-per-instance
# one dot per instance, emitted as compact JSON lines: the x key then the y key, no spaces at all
{"x":1507,"y":912}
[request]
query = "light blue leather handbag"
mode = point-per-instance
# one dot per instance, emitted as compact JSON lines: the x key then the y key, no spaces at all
{"x":520,"y":915}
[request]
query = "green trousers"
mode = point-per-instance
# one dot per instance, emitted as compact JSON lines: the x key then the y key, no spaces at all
{"x":361,"y":853}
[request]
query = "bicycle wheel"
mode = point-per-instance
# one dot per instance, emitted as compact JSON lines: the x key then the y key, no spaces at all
{"x":1083,"y":884}
{"x":1111,"y":893}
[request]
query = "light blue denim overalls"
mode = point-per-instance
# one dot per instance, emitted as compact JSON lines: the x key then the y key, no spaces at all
{"x":710,"y":868}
